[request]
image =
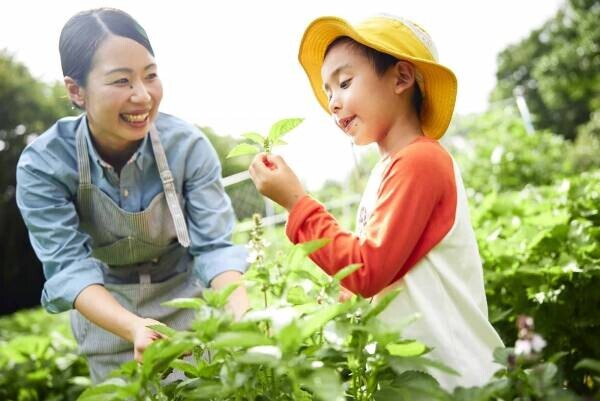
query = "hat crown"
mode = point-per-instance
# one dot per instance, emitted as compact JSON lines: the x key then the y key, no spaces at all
{"x":397,"y":28}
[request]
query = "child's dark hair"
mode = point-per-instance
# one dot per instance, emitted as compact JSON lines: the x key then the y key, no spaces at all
{"x":83,"y":34}
{"x":381,"y":63}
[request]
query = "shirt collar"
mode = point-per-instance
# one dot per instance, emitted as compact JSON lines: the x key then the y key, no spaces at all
{"x":140,"y":156}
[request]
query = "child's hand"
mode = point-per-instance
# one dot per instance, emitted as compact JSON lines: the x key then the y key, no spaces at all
{"x":275,"y":180}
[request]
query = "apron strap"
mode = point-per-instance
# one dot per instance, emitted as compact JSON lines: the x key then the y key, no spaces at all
{"x":83,"y":158}
{"x":169,"y":187}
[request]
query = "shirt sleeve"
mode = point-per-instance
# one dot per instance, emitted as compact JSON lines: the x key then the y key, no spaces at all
{"x":210,"y":216}
{"x":399,"y":232}
{"x":47,"y":207}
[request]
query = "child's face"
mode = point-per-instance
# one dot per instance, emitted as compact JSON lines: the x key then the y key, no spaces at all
{"x":363,"y":104}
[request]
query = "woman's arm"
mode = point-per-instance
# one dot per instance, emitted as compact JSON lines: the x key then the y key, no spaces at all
{"x":210,"y":218}
{"x":238,"y":301}
{"x":101,"y":308}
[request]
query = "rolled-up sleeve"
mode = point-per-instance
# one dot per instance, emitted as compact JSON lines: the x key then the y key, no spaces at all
{"x":46,"y":204}
{"x":210,"y":217}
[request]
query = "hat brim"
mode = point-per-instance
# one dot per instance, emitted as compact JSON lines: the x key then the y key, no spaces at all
{"x":438,"y":87}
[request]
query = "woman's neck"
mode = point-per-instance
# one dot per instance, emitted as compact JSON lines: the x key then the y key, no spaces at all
{"x":117,"y":155}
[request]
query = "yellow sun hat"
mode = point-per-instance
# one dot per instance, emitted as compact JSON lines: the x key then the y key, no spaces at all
{"x":397,"y":37}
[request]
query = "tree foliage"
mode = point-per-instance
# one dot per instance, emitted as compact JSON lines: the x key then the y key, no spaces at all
{"x":558,"y":67}
{"x":27,"y":108}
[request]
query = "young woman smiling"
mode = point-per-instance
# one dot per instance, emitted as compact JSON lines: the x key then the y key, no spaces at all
{"x":124,"y":204}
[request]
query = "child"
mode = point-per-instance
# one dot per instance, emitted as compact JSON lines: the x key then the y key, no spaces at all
{"x":381,"y":82}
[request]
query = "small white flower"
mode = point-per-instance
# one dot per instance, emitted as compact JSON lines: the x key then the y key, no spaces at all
{"x":522,"y":347}
{"x":371,"y":348}
{"x":571,"y":267}
{"x":537,"y":343}
{"x":540,"y":297}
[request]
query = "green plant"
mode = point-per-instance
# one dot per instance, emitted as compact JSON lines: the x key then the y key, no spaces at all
{"x":265,"y":143}
{"x":541,"y":254}
{"x":301,"y":344}
{"x":38,"y":359}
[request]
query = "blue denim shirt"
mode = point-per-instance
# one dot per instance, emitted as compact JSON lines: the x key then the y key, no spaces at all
{"x":47,"y":182}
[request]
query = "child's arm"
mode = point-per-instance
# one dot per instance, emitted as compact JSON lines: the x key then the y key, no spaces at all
{"x":414,"y":211}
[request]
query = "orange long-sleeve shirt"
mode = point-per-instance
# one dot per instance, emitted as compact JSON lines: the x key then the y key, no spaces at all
{"x":414,"y":209}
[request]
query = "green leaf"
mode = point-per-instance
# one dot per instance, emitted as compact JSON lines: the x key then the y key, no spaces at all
{"x":282,"y":127}
{"x":346,"y":271}
{"x":218,"y":298}
{"x":382,"y":304}
{"x":590,"y":364}
{"x":299,"y":252}
{"x":410,"y":348}
{"x":109,"y":390}
{"x":315,"y":322}
{"x":240,"y":339}
{"x":288,"y":338}
{"x":163,"y":329}
{"x":243,"y":149}
{"x":159,"y":355}
{"x":501,"y":355}
{"x":325,"y":384}
{"x":297,"y":296}
{"x":255,"y":137}
{"x":185,"y":303}
{"x":411,"y":386}
{"x":185,"y":367}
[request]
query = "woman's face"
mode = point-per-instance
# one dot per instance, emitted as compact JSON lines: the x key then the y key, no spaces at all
{"x":122,"y":94}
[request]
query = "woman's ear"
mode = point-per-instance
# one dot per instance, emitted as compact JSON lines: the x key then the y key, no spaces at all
{"x":76,"y":92}
{"x":404,"y":74}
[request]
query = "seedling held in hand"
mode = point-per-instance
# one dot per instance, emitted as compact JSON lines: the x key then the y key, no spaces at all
{"x":261,"y":143}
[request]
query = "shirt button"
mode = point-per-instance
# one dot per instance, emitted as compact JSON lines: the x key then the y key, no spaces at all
{"x":125,"y":193}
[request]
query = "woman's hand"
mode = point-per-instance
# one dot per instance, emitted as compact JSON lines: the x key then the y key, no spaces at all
{"x":143,"y":336}
{"x":275,"y":179}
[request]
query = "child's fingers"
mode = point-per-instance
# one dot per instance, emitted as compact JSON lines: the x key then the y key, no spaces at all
{"x":260,"y":162}
{"x":278,"y":161}
{"x":267,"y":162}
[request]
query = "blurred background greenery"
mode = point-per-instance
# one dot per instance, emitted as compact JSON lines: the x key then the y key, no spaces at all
{"x":534,"y":193}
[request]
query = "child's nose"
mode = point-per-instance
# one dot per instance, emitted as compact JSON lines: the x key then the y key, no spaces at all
{"x":334,"y":104}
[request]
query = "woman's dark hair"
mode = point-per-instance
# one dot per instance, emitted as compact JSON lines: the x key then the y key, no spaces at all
{"x":381,"y":62}
{"x":83,"y":34}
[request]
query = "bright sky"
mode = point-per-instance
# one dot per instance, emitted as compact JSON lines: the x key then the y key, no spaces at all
{"x":232,"y":65}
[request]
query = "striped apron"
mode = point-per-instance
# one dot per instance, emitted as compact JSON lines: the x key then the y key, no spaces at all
{"x":136,"y":247}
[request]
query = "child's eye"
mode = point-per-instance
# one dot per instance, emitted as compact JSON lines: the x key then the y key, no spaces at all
{"x":152,"y":75}
{"x":122,"y":81}
{"x":345,"y":83}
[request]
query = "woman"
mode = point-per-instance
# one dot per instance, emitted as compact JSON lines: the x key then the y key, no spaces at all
{"x":124,"y":204}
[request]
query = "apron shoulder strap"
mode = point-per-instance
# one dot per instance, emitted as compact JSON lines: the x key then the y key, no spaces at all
{"x":83,"y":158}
{"x":169,"y":187}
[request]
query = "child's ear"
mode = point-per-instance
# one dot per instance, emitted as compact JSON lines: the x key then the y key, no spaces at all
{"x":76,"y":92}
{"x":404,"y":74}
